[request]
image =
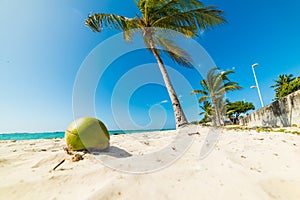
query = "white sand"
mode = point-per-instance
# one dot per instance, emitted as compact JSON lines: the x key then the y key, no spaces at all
{"x":243,"y":165}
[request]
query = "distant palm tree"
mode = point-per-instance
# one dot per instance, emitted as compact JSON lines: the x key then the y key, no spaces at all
{"x":207,"y":111}
{"x":214,"y":87}
{"x":282,"y":81}
{"x":186,"y":17}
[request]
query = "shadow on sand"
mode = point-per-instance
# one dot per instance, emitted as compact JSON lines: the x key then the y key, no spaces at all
{"x":112,"y":151}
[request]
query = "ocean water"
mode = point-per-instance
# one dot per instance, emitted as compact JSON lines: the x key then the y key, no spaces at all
{"x":49,"y":135}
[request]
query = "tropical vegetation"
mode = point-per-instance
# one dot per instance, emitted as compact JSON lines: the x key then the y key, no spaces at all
{"x":285,"y":84}
{"x":186,"y":17}
{"x":213,"y":88}
{"x":235,"y":109}
{"x":208,"y":112}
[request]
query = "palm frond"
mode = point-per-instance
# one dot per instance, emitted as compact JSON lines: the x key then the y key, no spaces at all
{"x":232,"y":83}
{"x":204,"y":85}
{"x":98,"y":21}
{"x":176,"y":53}
{"x":183,"y":5}
{"x":202,"y":113}
{"x":203,"y":98}
{"x":227,"y":88}
{"x":187,"y":31}
{"x":226,"y":73}
{"x":204,"y":18}
{"x":199,"y":92}
{"x":217,"y":79}
{"x":164,"y":8}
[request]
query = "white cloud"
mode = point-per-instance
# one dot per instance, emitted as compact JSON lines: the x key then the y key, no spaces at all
{"x":164,"y":101}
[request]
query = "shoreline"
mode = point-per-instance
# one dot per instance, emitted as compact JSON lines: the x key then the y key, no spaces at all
{"x":60,"y":134}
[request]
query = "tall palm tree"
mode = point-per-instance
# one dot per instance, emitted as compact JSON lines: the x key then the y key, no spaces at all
{"x":283,"y":80}
{"x":186,"y":17}
{"x":214,"y":87}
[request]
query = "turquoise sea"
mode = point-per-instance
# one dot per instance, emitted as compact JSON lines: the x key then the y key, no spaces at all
{"x":48,"y":135}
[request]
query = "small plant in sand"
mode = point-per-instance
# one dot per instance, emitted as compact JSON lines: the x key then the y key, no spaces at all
{"x":280,"y":130}
{"x":293,"y":132}
{"x":259,"y":129}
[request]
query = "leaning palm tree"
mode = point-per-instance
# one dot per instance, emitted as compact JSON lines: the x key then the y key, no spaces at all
{"x":185,"y":17}
{"x":214,"y":87}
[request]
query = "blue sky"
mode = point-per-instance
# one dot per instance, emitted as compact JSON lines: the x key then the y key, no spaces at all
{"x":44,"y":43}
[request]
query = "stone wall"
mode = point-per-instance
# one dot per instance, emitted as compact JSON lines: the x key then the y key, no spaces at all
{"x":282,"y":113}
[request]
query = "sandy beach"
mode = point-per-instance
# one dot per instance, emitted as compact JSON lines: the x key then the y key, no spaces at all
{"x":242,"y":165}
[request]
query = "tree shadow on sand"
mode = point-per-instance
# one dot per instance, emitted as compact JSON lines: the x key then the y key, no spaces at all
{"x":112,"y":151}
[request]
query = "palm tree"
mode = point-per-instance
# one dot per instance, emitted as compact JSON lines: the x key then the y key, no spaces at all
{"x":214,"y":87}
{"x":207,"y":111}
{"x":186,"y":17}
{"x":280,"y":83}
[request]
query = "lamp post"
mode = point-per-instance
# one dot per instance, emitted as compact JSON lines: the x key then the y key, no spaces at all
{"x":258,"y":90}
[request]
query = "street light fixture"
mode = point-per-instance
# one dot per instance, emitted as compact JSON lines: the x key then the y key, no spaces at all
{"x":258,"y":90}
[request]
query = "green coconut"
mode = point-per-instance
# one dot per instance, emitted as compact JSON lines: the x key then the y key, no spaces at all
{"x":87,"y":133}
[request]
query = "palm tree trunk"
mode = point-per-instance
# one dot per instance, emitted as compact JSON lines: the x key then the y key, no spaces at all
{"x":178,"y":112}
{"x":221,"y":119}
{"x":217,"y":114}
